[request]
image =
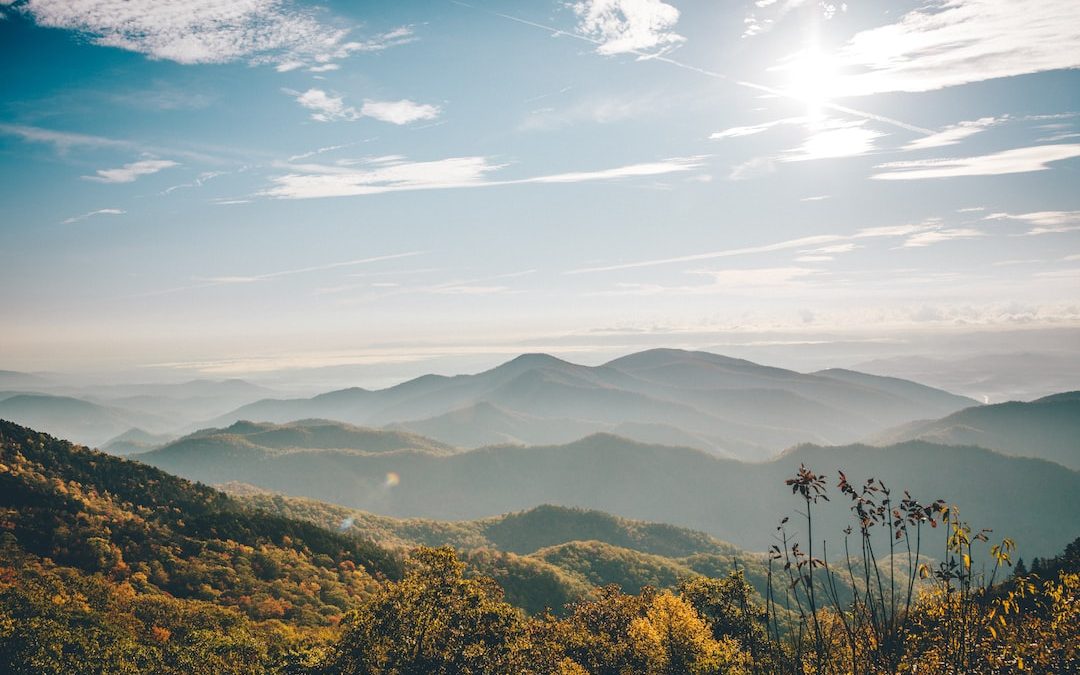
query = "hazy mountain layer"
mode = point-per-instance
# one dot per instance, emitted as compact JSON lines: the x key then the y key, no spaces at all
{"x":1048,"y":428}
{"x":1026,"y":499}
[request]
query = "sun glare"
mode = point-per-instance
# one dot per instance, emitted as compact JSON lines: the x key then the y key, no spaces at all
{"x":812,"y":78}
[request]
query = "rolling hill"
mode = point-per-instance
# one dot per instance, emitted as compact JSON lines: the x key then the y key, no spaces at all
{"x":728,"y":406}
{"x":1047,"y":428}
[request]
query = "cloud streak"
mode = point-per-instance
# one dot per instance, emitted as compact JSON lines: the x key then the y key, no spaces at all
{"x":91,"y":214}
{"x":397,"y":174}
{"x":131,"y":172}
{"x":1017,"y":160}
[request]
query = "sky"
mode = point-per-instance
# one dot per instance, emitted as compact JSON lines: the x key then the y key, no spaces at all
{"x":256,"y":187}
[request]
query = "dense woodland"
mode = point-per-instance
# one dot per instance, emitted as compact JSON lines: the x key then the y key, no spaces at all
{"x":108,"y":565}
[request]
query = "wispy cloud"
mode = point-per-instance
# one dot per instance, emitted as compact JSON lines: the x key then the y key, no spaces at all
{"x":209,"y":31}
{"x":1018,"y":160}
{"x":936,"y":236}
{"x":199,"y":181}
{"x":952,"y":135}
{"x":396,"y":174}
{"x":91,"y":214}
{"x":629,"y":26}
{"x":953,"y":42}
{"x":819,"y":242}
{"x":130,"y":172}
{"x":232,"y":279}
{"x":1043,"y":222}
{"x":727,"y":281}
{"x":399,"y":112}
{"x":61,"y":140}
{"x":593,"y":110}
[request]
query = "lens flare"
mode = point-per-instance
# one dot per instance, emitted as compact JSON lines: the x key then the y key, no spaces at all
{"x":392,"y":479}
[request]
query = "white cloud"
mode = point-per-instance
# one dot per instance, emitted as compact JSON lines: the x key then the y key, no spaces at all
{"x":130,"y":172}
{"x":399,"y":112}
{"x":327,"y":107}
{"x":1017,"y":160}
{"x":1044,"y":222}
{"x":952,"y":135}
{"x":91,"y":214}
{"x":629,"y":26}
{"x":209,"y":31}
{"x":396,"y":174}
{"x":953,"y":42}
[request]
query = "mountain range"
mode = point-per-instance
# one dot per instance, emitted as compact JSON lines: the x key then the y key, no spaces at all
{"x":727,"y":406}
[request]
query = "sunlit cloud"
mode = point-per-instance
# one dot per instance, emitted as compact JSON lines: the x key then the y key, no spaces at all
{"x":739,"y":132}
{"x":1018,"y":160}
{"x":954,"y":42}
{"x":130,"y":172}
{"x":91,"y":214}
{"x":834,"y":139}
{"x":628,"y":26}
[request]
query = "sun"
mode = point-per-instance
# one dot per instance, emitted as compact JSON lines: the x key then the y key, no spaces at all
{"x":812,"y":77}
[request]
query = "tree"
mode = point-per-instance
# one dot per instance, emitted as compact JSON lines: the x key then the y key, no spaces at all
{"x":434,"y":621}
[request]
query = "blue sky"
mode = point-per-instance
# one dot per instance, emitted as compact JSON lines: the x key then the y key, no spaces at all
{"x":242,"y":187}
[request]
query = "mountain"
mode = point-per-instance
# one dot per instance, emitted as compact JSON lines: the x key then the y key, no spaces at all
{"x":74,"y":418}
{"x":182,"y":403}
{"x":1047,"y":428}
{"x":135,"y":440}
{"x":740,"y":502}
{"x":727,"y":406}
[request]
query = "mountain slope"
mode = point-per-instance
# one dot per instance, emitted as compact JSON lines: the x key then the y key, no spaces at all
{"x":1047,"y":428}
{"x":101,"y":514}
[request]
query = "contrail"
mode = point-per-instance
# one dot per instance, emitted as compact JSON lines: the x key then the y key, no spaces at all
{"x":708,"y":73}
